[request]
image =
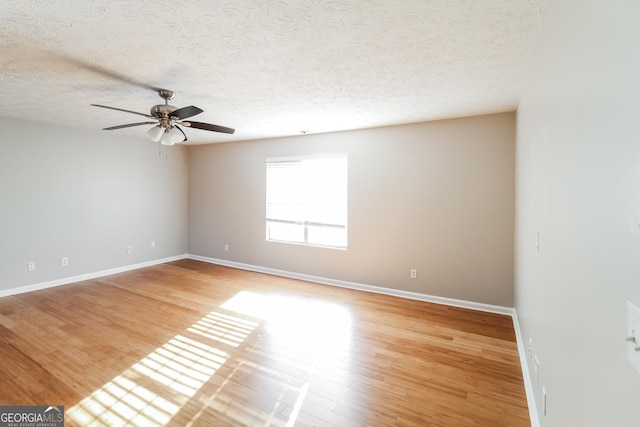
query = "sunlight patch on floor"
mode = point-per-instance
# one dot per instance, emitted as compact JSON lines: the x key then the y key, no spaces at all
{"x":151,"y":392}
{"x":224,"y":328}
{"x":312,"y":328}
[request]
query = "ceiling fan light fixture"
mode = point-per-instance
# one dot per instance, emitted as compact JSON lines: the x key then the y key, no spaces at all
{"x":155,"y":133}
{"x":171,"y":136}
{"x":166,"y":138}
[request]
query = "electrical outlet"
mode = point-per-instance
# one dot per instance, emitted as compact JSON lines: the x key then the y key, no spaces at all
{"x":536,"y":369}
{"x":226,"y":248}
{"x":31,"y":266}
{"x":129,"y":250}
{"x":64,"y":261}
{"x":153,"y":243}
{"x":530,"y":348}
{"x":414,"y":273}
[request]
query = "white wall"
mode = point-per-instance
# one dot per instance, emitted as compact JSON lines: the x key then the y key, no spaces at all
{"x":578,"y":185}
{"x":437,"y":197}
{"x":86,"y":195}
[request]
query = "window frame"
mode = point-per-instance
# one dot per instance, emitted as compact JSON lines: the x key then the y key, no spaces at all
{"x":305,"y":224}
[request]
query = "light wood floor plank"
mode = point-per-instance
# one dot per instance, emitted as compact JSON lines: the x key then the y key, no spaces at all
{"x":191,"y":343}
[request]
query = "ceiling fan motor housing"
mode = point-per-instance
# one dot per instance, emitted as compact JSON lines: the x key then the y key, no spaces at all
{"x":162,"y":111}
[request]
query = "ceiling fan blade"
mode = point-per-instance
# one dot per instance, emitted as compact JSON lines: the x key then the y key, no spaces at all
{"x":98,"y":69}
{"x":126,"y":111}
{"x":184,"y":112}
{"x":208,"y":126}
{"x":129,"y":125}
{"x":185,"y":135}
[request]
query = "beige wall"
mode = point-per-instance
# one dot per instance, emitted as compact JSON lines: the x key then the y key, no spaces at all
{"x":437,"y":197}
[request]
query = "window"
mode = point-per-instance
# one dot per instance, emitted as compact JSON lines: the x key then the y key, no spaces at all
{"x":307,"y":201}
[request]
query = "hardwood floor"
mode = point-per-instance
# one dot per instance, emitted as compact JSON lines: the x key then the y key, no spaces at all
{"x":189,"y":343}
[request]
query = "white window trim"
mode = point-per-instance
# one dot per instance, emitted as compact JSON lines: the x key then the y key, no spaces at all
{"x":305,"y":224}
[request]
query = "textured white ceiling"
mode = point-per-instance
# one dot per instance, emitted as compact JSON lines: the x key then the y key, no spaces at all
{"x":266,"y":68}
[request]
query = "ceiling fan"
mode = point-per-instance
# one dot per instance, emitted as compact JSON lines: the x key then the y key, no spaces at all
{"x":166,"y":119}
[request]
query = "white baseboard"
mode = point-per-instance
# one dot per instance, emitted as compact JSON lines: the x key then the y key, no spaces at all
{"x":528,"y":383}
{"x":361,"y":287}
{"x":89,"y":276}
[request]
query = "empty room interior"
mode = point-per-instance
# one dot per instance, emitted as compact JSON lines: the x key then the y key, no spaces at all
{"x":321,"y":212}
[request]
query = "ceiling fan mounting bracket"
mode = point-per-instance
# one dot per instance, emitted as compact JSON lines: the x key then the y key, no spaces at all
{"x":165,"y":94}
